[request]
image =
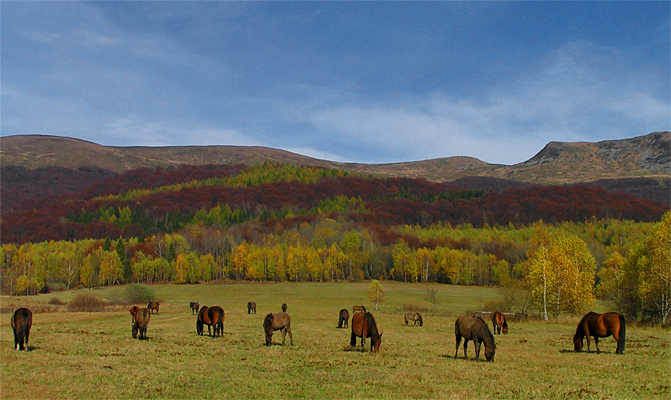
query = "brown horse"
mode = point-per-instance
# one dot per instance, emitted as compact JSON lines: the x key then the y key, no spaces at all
{"x":277,"y":322}
{"x":343,"y":318}
{"x":212,"y":317}
{"x":284,"y":307}
{"x":141,"y":322}
{"x":153,"y":306}
{"x":22,"y":321}
{"x":414,"y":316}
{"x":133,"y":312}
{"x":598,"y":326}
{"x":251,"y":306}
{"x":474,"y":329}
{"x":363,"y":326}
{"x":499,"y":322}
{"x":194,"y":307}
{"x":357,"y":309}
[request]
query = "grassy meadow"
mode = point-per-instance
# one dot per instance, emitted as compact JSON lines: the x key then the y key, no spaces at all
{"x":92,"y":355}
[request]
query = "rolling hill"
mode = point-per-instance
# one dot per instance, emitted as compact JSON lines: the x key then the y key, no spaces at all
{"x":558,"y":163}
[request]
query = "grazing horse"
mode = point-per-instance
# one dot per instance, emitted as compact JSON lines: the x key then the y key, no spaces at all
{"x":212,"y":317}
{"x":275,"y":322}
{"x":474,"y":329}
{"x":343,"y":318}
{"x":251,"y":306}
{"x":153,"y":306}
{"x":364,"y":325}
{"x":22,"y":320}
{"x":141,"y":321}
{"x":598,"y":326}
{"x":284,"y":307}
{"x":499,"y":321}
{"x":357,"y":309}
{"x":194,"y":307}
{"x":133,"y":312}
{"x":414,"y":316}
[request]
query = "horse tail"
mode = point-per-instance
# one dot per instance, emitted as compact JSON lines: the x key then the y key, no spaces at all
{"x":623,"y":329}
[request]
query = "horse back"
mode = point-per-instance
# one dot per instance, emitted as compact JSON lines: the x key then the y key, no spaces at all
{"x":22,"y":319}
{"x":358,"y":324}
{"x":215,"y":315}
{"x":142,"y":317}
{"x":203,"y":315}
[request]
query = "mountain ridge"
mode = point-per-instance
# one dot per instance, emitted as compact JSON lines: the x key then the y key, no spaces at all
{"x":558,"y":163}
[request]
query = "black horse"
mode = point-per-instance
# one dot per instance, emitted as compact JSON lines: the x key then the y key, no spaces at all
{"x":194,"y":307}
{"x":22,"y":320}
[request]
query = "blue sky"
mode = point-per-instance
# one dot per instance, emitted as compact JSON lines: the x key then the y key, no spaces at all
{"x":370,"y":82}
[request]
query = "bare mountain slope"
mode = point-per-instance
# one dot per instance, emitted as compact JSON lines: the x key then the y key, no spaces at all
{"x":558,"y":163}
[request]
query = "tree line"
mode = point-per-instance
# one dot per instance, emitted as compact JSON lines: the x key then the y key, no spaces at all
{"x":561,"y":268}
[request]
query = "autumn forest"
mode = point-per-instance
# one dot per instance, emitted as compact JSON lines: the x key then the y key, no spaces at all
{"x":280,"y":222}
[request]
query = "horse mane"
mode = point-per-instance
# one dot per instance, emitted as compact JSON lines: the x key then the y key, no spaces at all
{"x":372,"y":325}
{"x":364,"y":309}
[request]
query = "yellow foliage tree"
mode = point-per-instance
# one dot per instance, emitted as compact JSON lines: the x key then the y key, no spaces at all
{"x":560,"y":274}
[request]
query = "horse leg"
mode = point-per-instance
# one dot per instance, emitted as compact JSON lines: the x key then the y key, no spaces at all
{"x":284,"y":334}
{"x":291,"y":337}
{"x":352,"y":341}
{"x":596,"y":342}
{"x":465,"y":348}
{"x":477,"y":344}
{"x":456,"y":352}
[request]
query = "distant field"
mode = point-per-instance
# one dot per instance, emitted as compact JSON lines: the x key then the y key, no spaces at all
{"x":92,"y":355}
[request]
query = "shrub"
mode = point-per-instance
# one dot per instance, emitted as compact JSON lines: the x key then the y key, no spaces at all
{"x":56,"y":301}
{"x":86,"y":302}
{"x":137,"y":293}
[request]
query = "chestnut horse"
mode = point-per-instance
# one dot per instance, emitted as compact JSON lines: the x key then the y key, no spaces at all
{"x":212,"y":317}
{"x":364,"y":325}
{"x":251,"y":306}
{"x":194,"y":307}
{"x":414,"y":316}
{"x":499,"y":322}
{"x":598,"y":326}
{"x":277,"y":322}
{"x":141,"y":322}
{"x":343,"y":318}
{"x":153,"y":306}
{"x":22,"y":321}
{"x":133,"y":312}
{"x":474,"y":329}
{"x":357,"y":309}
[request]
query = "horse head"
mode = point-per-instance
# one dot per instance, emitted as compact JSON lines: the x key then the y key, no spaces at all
{"x":376,"y":343}
{"x":489,"y":352}
{"x":577,"y":342}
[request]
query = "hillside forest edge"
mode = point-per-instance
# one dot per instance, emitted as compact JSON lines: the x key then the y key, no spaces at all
{"x":278,"y":222}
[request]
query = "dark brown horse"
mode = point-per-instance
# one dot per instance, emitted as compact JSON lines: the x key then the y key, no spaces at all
{"x":194,"y":307}
{"x":212,"y":317}
{"x":22,"y":321}
{"x":141,"y":322}
{"x":499,"y":322}
{"x":251,"y":306}
{"x":284,"y":307}
{"x":475,"y":329}
{"x":153,"y":306}
{"x":343,"y":318}
{"x":133,"y":312}
{"x":414,"y":316}
{"x":598,"y":326}
{"x":276,"y":322}
{"x":363,"y":326}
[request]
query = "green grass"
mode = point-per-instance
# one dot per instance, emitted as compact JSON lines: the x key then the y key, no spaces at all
{"x":92,"y":355}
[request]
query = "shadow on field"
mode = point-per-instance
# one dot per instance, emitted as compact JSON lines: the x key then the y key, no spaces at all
{"x":460,"y":358}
